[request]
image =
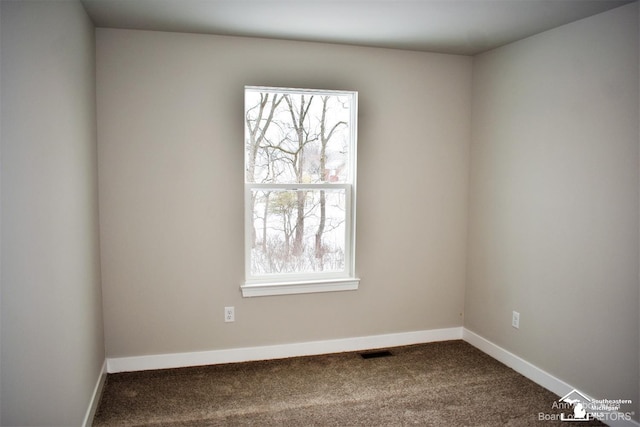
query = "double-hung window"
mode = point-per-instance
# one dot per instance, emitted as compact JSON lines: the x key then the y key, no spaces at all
{"x":300,"y":176}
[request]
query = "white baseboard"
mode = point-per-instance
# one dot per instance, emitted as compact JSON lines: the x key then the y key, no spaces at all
{"x":95,"y":397}
{"x":532,"y":372}
{"x":518,"y":364}
{"x":178,"y":360}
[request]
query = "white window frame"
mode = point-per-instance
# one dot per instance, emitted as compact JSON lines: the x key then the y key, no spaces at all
{"x":298,"y":283}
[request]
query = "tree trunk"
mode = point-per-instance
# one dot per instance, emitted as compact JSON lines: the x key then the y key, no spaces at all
{"x":256,"y":136}
{"x":264,"y":222}
{"x":323,"y":202}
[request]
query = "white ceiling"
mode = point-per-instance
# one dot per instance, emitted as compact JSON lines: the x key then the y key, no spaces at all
{"x":463,"y":27}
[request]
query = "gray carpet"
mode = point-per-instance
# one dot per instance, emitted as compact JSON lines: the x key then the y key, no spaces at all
{"x":438,"y":384}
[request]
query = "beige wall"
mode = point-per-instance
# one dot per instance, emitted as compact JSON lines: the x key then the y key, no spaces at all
{"x":554,"y":202}
{"x":51,"y":312}
{"x":170,"y":136}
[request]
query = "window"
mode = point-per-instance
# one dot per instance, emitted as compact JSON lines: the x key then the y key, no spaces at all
{"x":300,"y":175}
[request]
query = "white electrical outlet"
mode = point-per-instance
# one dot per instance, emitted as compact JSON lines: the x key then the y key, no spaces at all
{"x":515,"y":320}
{"x":229,"y":314}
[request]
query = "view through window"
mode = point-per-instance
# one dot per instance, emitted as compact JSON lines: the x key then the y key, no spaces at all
{"x":300,"y":152}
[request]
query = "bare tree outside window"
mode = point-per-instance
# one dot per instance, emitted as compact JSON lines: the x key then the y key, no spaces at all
{"x":299,"y":175}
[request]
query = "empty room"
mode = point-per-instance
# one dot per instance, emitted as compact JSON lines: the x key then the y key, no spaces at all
{"x":277,"y":212}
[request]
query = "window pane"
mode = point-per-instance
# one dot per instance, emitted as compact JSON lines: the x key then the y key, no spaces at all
{"x":297,"y":137}
{"x":298,"y":231}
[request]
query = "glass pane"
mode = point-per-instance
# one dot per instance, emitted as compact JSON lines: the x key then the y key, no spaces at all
{"x":297,"y":137}
{"x":298,"y":231}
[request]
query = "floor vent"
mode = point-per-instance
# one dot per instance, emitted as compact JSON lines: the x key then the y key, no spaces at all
{"x":376,"y":354}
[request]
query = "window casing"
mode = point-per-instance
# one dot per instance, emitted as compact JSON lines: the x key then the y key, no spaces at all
{"x":300,"y":188}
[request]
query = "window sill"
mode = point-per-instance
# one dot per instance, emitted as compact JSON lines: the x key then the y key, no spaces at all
{"x":301,"y":287}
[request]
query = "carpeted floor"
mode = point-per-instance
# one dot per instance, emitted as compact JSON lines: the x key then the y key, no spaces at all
{"x":438,"y":384}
